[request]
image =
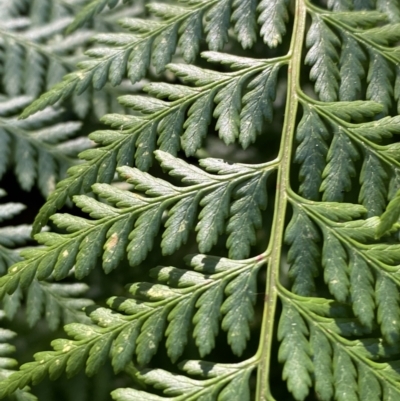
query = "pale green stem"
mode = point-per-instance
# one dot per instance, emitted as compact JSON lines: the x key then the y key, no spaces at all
{"x":277,"y":232}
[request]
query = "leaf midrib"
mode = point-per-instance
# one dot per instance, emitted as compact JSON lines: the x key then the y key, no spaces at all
{"x":263,"y":392}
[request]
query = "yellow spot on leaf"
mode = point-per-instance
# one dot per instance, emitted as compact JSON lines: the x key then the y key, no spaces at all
{"x":112,"y":242}
{"x":182,"y":227}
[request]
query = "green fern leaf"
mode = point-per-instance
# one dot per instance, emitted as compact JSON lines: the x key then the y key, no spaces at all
{"x":303,"y":255}
{"x":206,"y":319}
{"x":295,"y":352}
{"x":238,"y":310}
{"x":181,"y":220}
{"x":155,"y":44}
{"x":56,"y":301}
{"x":35,"y":56}
{"x":311,"y":153}
{"x":368,"y":385}
{"x":324,"y":99}
{"x":89,"y":11}
{"x":362,"y":291}
{"x":322,"y":358}
{"x":344,"y":376}
{"x":244,"y":15}
{"x":100,"y":163}
{"x":38,"y":144}
{"x":390,"y":217}
{"x":83,"y":246}
{"x":129,"y":394}
{"x":257,"y":105}
{"x":380,"y":78}
{"x":180,"y":318}
{"x":372,"y":178}
{"x":322,"y":43}
{"x":172,"y":316}
{"x":273,"y":18}
{"x":8,"y":364}
{"x":340,"y":156}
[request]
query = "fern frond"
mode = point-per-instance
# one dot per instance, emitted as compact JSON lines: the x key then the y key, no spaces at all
{"x":349,"y":248}
{"x":337,"y":164}
{"x":8,"y":364}
{"x":35,"y":55}
{"x":38,"y":149}
{"x":25,"y":56}
{"x":390,"y":217}
{"x":166,"y":119}
{"x":137,"y":325}
{"x":228,"y":382}
{"x":154,"y":44}
{"x":58,"y":302}
{"x":234,"y":196}
{"x":337,"y":362}
{"x":335,"y":286}
{"x":198,"y":105}
{"x":323,"y":57}
{"x":10,"y":236}
{"x":358,"y":38}
{"x":90,"y":10}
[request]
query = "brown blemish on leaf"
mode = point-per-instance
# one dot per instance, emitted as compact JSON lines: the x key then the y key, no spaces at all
{"x":112,"y":242}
